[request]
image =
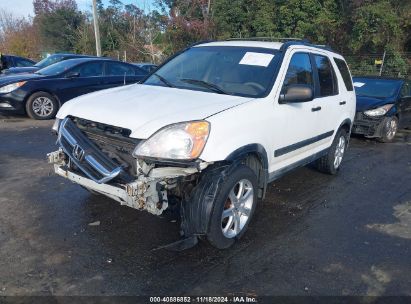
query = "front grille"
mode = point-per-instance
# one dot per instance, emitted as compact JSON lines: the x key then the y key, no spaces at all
{"x":86,"y":156}
{"x":112,"y":141}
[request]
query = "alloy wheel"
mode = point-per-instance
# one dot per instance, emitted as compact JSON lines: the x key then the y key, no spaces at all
{"x":339,"y":152}
{"x":43,"y":106}
{"x":392,"y":128}
{"x":237,"y":209}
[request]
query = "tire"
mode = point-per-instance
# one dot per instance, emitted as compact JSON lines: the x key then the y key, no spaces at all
{"x":224,"y":231}
{"x":331,"y":162}
{"x":42,"y":106}
{"x":389,"y":129}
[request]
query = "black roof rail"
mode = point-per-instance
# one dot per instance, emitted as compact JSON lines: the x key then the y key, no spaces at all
{"x":288,"y":41}
{"x":199,"y":42}
{"x":287,"y":44}
{"x":267,"y":39}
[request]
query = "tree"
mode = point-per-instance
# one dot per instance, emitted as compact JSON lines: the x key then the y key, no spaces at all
{"x":58,"y":22}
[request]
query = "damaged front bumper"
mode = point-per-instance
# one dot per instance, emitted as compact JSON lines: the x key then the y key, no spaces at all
{"x":368,"y":126}
{"x":146,"y":192}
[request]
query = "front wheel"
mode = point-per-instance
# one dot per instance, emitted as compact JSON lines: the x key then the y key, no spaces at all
{"x":331,"y":162}
{"x":41,"y":106}
{"x":233,"y":208}
{"x":389,"y":129}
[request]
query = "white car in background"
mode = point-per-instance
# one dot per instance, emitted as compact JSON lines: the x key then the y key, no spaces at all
{"x":209,"y":130}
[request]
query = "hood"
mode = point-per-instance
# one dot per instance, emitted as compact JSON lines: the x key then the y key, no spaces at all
{"x":145,"y":109}
{"x":365,"y":103}
{"x":20,"y":70}
{"x":7,"y":79}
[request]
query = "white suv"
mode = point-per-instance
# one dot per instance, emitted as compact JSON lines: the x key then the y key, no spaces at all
{"x":208,"y":130}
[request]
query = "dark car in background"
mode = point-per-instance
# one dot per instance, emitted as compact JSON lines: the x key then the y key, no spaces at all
{"x":149,"y":67}
{"x":40,"y":94}
{"x":43,"y":63}
{"x":383,"y":106}
{"x":10,"y":61}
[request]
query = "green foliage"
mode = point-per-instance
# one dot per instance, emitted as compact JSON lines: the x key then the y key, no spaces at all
{"x":355,"y":28}
{"x":375,"y":25}
{"x":58,"y":29}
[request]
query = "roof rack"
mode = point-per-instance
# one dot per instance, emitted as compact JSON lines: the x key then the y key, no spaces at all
{"x":268,"y":39}
{"x":288,"y":41}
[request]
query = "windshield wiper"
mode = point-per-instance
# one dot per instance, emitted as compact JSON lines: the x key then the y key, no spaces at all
{"x":205,"y":84}
{"x":163,"y":80}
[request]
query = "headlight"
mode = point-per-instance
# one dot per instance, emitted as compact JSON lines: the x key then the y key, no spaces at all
{"x":56,"y":125}
{"x":379,"y":111}
{"x":179,"y":141}
{"x":11,"y":87}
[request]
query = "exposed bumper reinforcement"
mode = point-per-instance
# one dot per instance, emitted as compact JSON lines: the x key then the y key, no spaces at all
{"x":140,"y":194}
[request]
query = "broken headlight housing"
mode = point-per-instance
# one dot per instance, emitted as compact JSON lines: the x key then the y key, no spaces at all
{"x":182,"y":141}
{"x":379,"y":111}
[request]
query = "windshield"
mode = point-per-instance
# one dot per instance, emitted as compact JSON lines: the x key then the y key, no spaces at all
{"x":48,"y":61}
{"x":243,"y":71}
{"x":58,"y":68}
{"x":375,"y":87}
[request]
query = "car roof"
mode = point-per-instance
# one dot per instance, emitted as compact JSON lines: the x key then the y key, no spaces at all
{"x":73,"y":55}
{"x":244,"y":43}
{"x":15,"y":56}
{"x":143,"y":63}
{"x":281,"y":44}
{"x":381,"y":77}
{"x":87,"y":59}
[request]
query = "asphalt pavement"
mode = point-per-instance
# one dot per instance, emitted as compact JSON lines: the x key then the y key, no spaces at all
{"x":314,"y":234}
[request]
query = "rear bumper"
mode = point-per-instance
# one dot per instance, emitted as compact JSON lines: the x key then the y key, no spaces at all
{"x":368,"y":126}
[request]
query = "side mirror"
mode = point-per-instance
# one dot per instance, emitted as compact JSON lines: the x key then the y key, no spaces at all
{"x":73,"y":75}
{"x":297,"y":93}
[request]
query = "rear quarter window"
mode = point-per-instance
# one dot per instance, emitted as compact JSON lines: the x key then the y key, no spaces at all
{"x":345,"y":73}
{"x":326,"y":76}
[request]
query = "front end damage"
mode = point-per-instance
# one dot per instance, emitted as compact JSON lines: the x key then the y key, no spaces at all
{"x":368,"y":126}
{"x":146,"y":192}
{"x":99,"y":158}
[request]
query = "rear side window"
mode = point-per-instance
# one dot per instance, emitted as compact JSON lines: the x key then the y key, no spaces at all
{"x":91,"y":69}
{"x":22,"y":62}
{"x":345,"y":73}
{"x":299,"y":70}
{"x":119,"y":69}
{"x":326,"y":76}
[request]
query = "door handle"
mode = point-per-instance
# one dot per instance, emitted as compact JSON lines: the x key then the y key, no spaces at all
{"x":342,"y":103}
{"x":315,"y":109}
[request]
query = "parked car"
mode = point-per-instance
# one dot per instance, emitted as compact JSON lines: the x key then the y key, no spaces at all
{"x":9,"y":61}
{"x":209,"y":130}
{"x":42,"y":64}
{"x":149,"y":67}
{"x":383,"y":106}
{"x":41,"y":94}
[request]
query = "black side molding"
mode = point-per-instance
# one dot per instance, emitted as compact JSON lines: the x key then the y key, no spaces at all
{"x":301,"y":144}
{"x":281,"y":172}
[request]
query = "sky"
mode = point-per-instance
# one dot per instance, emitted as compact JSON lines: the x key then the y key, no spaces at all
{"x":24,"y":8}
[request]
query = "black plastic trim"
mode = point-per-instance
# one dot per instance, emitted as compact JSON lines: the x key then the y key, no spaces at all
{"x":251,"y":148}
{"x":279,"y":173}
{"x":303,"y":143}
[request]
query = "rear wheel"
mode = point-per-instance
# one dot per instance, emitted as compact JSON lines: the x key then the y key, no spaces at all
{"x":331,"y":162}
{"x":41,"y":106}
{"x":389,"y":129}
{"x":233,"y":208}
